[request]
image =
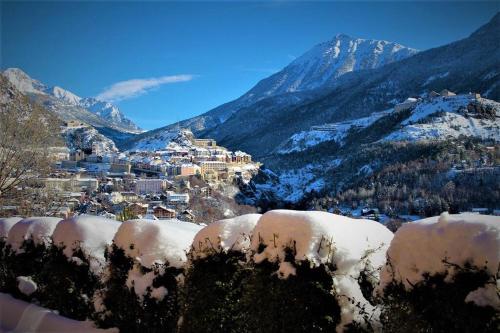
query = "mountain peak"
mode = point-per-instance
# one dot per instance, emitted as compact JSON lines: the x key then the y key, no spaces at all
{"x":23,"y":82}
{"x":325,"y":62}
{"x":65,"y":95}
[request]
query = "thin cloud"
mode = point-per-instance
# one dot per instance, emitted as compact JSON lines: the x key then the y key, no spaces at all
{"x":136,"y":87}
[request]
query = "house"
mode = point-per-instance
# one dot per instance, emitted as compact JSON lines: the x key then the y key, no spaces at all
{"x":369,"y":211}
{"x":129,"y":196}
{"x":433,"y":94}
{"x":482,"y":211}
{"x":138,"y":209}
{"x":212,"y":166}
{"x":406,"y":105}
{"x":161,"y":212}
{"x":173,"y":197}
{"x":205,"y":143}
{"x":77,"y":155}
{"x":447,"y":93}
{"x":187,"y":215}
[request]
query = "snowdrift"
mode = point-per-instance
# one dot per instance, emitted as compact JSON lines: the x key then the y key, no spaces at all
{"x":19,"y":316}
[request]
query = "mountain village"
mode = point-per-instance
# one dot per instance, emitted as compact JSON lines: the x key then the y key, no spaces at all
{"x":153,"y":185}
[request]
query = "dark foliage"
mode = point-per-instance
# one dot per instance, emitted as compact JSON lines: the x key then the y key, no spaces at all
{"x":436,"y":305}
{"x":212,"y":291}
{"x":67,"y":286}
{"x":27,"y":262}
{"x":129,"y":312}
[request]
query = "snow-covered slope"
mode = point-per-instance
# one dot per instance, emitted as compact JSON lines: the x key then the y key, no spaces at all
{"x":69,"y":106}
{"x":175,"y":138}
{"x":438,"y":118}
{"x":327,"y":132}
{"x":451,"y":117}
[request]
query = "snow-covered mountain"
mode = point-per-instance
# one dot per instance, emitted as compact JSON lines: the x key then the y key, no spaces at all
{"x":325,"y":62}
{"x":316,"y":70}
{"x":69,"y":106}
{"x":261,"y":127}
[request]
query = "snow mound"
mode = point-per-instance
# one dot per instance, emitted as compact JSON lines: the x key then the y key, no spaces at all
{"x":156,"y":242}
{"x":224,"y":235}
{"x":91,"y":234}
{"x":6,"y":224}
{"x":420,"y":247}
{"x":353,"y":245}
{"x":19,"y":316}
{"x":26,"y":285}
{"x":39,"y":229}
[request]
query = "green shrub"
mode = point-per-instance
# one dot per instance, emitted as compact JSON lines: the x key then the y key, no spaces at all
{"x":68,"y":285}
{"x":437,"y":304}
{"x":304,"y":302}
{"x":212,"y":290}
{"x":28,"y":261}
{"x":131,"y":313}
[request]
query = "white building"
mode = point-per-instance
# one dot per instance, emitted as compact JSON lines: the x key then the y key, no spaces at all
{"x":145,"y":186}
{"x":173,"y":197}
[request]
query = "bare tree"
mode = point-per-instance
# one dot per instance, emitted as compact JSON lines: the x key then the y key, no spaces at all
{"x":27,"y":131}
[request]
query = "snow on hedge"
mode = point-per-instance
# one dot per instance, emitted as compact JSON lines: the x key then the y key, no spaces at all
{"x":151,"y":243}
{"x":6,"y":224}
{"x":39,"y":229}
{"x":353,"y":245}
{"x":19,"y":316}
{"x":224,"y":235}
{"x":91,"y":234}
{"x":156,"y":242}
{"x":420,"y":247}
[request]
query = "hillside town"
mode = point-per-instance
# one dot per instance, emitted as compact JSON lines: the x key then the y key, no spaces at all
{"x":158,"y":184}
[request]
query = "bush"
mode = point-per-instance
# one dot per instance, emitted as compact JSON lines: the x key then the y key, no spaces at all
{"x":68,"y":285}
{"x":29,"y":261}
{"x":124,"y":309}
{"x":304,"y":302}
{"x":437,"y":304}
{"x":212,"y":290}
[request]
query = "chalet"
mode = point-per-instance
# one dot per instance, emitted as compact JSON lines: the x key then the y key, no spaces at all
{"x":138,"y":209}
{"x":129,"y":196}
{"x":447,"y":93}
{"x":187,"y":215}
{"x":161,"y":212}
{"x":406,"y":105}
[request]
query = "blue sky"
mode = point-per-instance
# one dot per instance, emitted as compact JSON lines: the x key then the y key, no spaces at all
{"x":179,"y":60}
